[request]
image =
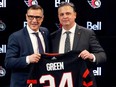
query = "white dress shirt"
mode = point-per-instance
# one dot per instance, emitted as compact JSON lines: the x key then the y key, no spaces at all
{"x":34,"y":40}
{"x":63,"y":37}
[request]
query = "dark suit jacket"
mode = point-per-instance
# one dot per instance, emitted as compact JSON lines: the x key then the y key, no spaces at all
{"x":83,"y":39}
{"x":19,"y":46}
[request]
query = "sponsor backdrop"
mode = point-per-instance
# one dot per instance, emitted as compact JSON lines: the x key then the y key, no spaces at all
{"x":98,"y":15}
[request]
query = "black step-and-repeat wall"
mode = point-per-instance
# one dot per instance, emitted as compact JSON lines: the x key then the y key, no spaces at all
{"x":98,"y":15}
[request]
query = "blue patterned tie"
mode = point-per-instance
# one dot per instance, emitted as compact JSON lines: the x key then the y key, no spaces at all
{"x":67,"y":42}
{"x":39,"y":43}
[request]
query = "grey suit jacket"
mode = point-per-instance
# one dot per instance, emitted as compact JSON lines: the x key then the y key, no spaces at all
{"x":83,"y":39}
{"x":19,"y":46}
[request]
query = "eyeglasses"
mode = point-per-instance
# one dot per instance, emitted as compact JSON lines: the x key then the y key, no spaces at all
{"x":31,"y":17}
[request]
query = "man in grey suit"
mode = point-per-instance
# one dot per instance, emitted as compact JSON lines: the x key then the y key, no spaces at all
{"x":23,"y":49}
{"x":81,"y":39}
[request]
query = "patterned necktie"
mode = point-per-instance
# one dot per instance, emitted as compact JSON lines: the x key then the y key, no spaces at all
{"x":39,"y":43}
{"x":67,"y":42}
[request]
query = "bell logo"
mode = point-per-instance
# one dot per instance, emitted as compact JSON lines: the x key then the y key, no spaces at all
{"x":97,"y":72}
{"x":57,"y":2}
{"x":3,"y":49}
{"x":3,"y":3}
{"x":24,"y":24}
{"x":94,"y":26}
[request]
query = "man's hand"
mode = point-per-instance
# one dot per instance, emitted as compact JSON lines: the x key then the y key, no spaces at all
{"x":86,"y":55}
{"x":34,"y":58}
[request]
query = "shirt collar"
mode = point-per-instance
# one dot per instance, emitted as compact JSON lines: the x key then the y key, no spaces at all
{"x":30,"y":30}
{"x":72,"y":30}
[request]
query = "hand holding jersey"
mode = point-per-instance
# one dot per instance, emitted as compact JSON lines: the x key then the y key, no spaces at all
{"x":87,"y":55}
{"x":61,"y":70}
{"x":34,"y":58}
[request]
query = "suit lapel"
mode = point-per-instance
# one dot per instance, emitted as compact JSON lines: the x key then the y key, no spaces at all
{"x":45,"y":39}
{"x":56,"y":42}
{"x":28,"y":40}
{"x":76,"y":37}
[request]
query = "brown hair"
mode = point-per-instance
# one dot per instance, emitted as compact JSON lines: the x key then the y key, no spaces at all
{"x":67,"y":4}
{"x":35,"y":7}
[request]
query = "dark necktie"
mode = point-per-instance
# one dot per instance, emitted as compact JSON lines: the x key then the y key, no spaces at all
{"x":67,"y":42}
{"x":39,"y":43}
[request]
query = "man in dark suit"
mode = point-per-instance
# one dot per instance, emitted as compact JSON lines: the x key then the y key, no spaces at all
{"x":81,"y":39}
{"x":23,"y":49}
